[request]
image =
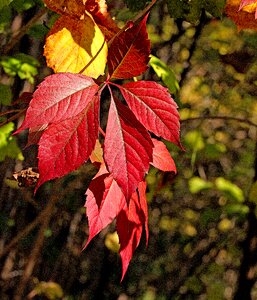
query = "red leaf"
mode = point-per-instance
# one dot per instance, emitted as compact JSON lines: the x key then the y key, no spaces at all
{"x":35,"y":134}
{"x":129,"y":227}
{"x":143,"y":204}
{"x":104,"y":202}
{"x":248,"y":2}
{"x":66,"y":145}
{"x":59,"y":97}
{"x":154,"y":108}
{"x":127,"y":148}
{"x":129,"y":52}
{"x":161,"y":157}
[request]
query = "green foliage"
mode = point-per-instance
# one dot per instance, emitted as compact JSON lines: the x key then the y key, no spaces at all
{"x":4,"y":3}
{"x":22,"y":5}
{"x":23,"y":65}
{"x":230,"y":190}
{"x":191,"y":10}
{"x":197,"y":184}
{"x":8,"y":143}
{"x":5,"y":94}
{"x":5,"y":18}
{"x":136,"y":5}
{"x":166,"y":74}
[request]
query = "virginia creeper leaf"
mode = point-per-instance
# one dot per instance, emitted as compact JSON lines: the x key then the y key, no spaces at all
{"x":59,"y":97}
{"x":248,"y":2}
{"x":127,"y":148}
{"x":66,"y":7}
{"x":154,"y":108}
{"x":76,"y":46}
{"x":64,"y":146}
{"x":161,"y":157}
{"x":143,"y":203}
{"x":129,"y":225}
{"x":104,"y":202}
{"x":129,"y":52}
{"x":245,"y":18}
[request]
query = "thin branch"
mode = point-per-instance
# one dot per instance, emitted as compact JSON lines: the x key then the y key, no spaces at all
{"x":226,"y":118}
{"x":18,"y":35}
{"x":13,"y":117}
{"x":49,"y":210}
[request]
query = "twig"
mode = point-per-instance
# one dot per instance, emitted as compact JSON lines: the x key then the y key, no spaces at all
{"x":226,"y":118}
{"x":24,"y":232}
{"x":18,"y":35}
{"x":37,"y":245}
{"x":13,"y":117}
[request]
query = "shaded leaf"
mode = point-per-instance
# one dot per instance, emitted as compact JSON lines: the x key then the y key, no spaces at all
{"x":104,"y":202}
{"x":165,"y":73}
{"x":130,"y":222}
{"x":129,"y":52}
{"x":76,"y":46}
{"x":127,"y":148}
{"x":161,"y":157}
{"x":59,"y":97}
{"x":154,"y":108}
{"x":64,"y":146}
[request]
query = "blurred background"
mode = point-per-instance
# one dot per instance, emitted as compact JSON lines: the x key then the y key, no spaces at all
{"x":202,"y":221}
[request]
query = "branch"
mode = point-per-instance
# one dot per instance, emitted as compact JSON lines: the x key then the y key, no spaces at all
{"x":48,"y":211}
{"x":226,"y":118}
{"x":18,"y":35}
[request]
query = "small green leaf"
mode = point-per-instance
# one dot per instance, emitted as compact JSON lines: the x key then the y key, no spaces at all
{"x":165,"y":73}
{"x":25,"y":66}
{"x":230,"y":190}
{"x":5,"y":94}
{"x":197,"y":184}
{"x":21,"y":5}
{"x":8,"y":143}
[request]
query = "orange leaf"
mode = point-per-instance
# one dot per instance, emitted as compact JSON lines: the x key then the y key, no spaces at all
{"x":67,"y":7}
{"x":245,"y":18}
{"x":76,"y":46}
{"x":77,"y":8}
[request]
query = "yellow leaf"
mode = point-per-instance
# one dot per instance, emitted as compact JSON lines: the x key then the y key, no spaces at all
{"x":76,"y":46}
{"x":244,"y":18}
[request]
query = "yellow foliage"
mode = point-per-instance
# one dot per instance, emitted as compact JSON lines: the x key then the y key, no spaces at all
{"x":76,"y":46}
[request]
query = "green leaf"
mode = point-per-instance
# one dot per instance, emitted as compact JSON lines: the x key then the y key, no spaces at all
{"x":197,"y":184}
{"x":165,"y":73}
{"x":4,"y":3}
{"x":5,"y":94}
{"x":185,"y":9}
{"x":5,"y":18}
{"x":230,"y":190}
{"x":194,"y":140}
{"x":136,"y":5}
{"x":8,"y":143}
{"x":190,"y":10}
{"x":21,"y":5}
{"x":25,"y":66}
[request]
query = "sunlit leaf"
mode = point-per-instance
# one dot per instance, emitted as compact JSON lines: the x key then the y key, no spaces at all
{"x":76,"y":46}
